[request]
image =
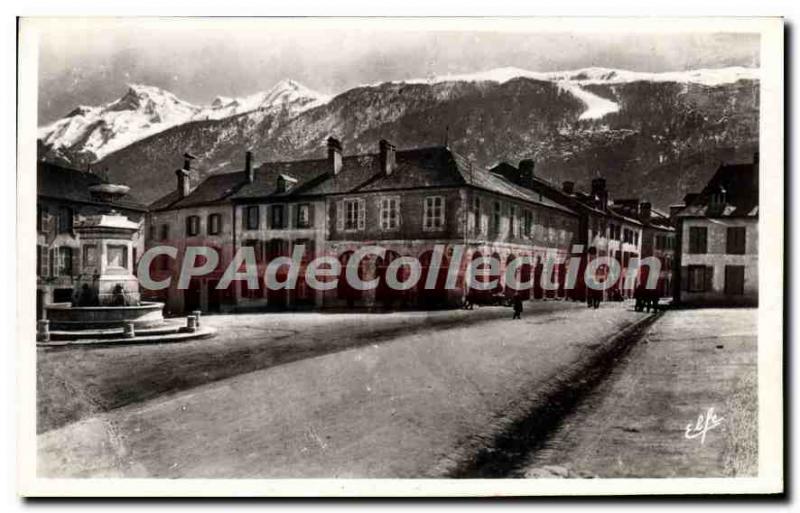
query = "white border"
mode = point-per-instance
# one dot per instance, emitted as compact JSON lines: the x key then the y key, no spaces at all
{"x":770,"y":293}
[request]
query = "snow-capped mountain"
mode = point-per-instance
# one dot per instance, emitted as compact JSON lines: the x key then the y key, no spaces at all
{"x":287,"y":94}
{"x":642,"y":131}
{"x":596,"y":75}
{"x":94,"y":132}
{"x":575,"y":81}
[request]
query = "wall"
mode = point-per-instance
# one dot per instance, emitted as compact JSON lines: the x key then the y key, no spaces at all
{"x":717,"y":258}
{"x":203,"y":294}
{"x":315,"y":234}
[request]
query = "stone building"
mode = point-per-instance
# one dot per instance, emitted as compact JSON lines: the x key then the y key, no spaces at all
{"x":408,"y":202}
{"x":717,"y":241}
{"x":657,"y":240}
{"x":66,"y":197}
{"x":200,"y":215}
{"x":603,"y":231}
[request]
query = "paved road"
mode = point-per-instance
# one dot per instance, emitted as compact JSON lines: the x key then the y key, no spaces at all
{"x":412,"y":405}
{"x":634,"y":424}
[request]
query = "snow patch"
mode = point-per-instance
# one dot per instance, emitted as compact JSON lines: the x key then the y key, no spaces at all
{"x":596,"y":106}
{"x":147,"y":110}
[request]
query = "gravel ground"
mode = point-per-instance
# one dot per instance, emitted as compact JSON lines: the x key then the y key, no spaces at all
{"x":634,"y":424}
{"x":410,"y":404}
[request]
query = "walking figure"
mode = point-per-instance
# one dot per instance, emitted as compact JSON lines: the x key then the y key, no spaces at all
{"x":517,"y":307}
{"x":595,"y":296}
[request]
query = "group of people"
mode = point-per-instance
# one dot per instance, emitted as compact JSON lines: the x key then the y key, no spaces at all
{"x":646,"y":300}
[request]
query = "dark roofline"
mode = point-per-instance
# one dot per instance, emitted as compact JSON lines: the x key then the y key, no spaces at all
{"x":136,"y":207}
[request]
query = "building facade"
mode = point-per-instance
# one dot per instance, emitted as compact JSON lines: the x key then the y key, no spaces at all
{"x":408,"y":202}
{"x":604,"y":230}
{"x":66,"y":197}
{"x":718,"y":240}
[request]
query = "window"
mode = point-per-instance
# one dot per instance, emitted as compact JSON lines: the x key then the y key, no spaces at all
{"x":308,"y":253}
{"x":512,"y":221}
{"x":699,"y":278}
{"x":476,"y":214}
{"x":252,"y":216}
{"x":192,"y":225}
{"x":63,"y":265}
{"x":65,"y":215}
{"x":527,"y":223}
{"x":41,"y":212}
{"x":734,"y":280}
{"x":735,"y":243}
{"x":42,"y":260}
{"x":698,"y":242}
{"x":214,"y":224}
{"x":433,"y":216}
{"x":257,"y":248}
{"x":277,"y":221}
{"x":303,"y":215}
{"x":496,"y":217}
{"x":164,"y":235}
{"x":390,"y":213}
{"x":350,"y":215}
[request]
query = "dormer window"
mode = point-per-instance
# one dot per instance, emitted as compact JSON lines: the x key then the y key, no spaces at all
{"x":285,"y":183}
{"x":718,"y":198}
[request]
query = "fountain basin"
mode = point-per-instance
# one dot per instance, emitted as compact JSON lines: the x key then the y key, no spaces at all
{"x":64,"y":316}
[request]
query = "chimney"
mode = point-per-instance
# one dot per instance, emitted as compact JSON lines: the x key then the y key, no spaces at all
{"x":568,"y":187}
{"x":645,"y":210}
{"x":600,"y":193}
{"x":184,"y":175}
{"x":526,"y":172}
{"x":334,"y":155}
{"x":248,"y":166}
{"x":388,"y":160}
{"x":187,"y":161}
{"x":184,"y":184}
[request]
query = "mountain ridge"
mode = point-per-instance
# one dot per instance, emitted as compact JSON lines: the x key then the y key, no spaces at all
{"x":576,"y":125}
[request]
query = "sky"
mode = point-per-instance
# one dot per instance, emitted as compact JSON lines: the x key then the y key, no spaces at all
{"x":90,"y":62}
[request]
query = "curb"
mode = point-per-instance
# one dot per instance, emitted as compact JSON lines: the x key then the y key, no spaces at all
{"x":201,"y":333}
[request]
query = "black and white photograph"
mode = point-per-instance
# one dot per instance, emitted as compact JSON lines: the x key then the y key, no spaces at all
{"x":396,"y":256}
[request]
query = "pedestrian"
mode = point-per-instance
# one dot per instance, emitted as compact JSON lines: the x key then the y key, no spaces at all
{"x":469,"y":301}
{"x":595,"y":296}
{"x":517,"y":302}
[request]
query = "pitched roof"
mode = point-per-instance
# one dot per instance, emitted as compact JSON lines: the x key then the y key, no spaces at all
{"x":738,"y":182}
{"x":215,"y":188}
{"x":62,"y":183}
{"x":435,"y":166}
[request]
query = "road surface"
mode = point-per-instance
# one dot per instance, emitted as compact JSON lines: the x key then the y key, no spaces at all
{"x":414,"y":402}
{"x":634,"y":424}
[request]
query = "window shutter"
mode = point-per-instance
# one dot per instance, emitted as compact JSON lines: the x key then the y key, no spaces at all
{"x":361,"y":214}
{"x":684,"y":278}
{"x":311,"y":214}
{"x":45,"y":261}
{"x":709,"y":278}
{"x":76,"y":267}
{"x":340,"y":216}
